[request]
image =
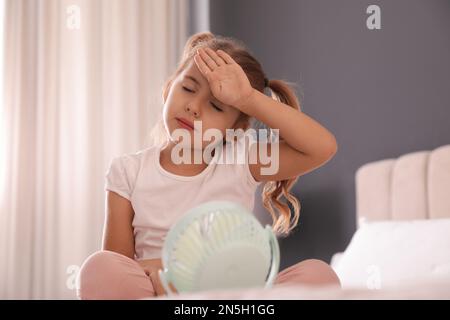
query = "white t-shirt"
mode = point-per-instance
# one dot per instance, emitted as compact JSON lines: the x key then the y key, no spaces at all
{"x":159,"y":198}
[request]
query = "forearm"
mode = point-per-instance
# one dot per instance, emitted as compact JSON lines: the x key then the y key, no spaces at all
{"x":300,"y":131}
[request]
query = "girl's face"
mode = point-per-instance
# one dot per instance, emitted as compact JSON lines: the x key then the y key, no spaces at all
{"x":190,"y":98}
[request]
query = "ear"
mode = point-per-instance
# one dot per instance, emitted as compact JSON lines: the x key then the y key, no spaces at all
{"x":241,"y":123}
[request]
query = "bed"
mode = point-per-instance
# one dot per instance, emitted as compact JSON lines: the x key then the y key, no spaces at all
{"x":401,"y":248}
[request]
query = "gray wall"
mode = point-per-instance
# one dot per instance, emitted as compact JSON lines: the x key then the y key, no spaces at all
{"x":381,"y":92}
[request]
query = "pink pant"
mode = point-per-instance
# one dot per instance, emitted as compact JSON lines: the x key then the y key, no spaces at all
{"x":109,"y":275}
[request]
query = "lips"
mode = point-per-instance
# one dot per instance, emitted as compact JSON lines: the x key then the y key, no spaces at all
{"x":186,"y":123}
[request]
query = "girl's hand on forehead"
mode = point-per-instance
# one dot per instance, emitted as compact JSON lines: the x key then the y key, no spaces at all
{"x":228,"y":82}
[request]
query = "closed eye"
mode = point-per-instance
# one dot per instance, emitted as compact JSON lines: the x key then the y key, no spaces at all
{"x":213,"y":105}
{"x":216,"y":107}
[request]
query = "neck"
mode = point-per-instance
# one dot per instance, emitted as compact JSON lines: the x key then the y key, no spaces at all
{"x":191,"y":168}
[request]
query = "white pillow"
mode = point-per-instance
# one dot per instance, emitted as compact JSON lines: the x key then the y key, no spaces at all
{"x":393,"y":253}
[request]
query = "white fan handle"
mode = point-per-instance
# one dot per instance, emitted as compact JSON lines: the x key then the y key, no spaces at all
{"x":275,"y":257}
{"x":164,"y":283}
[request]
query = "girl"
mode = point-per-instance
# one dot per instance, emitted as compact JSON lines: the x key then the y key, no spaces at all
{"x":221,"y":85}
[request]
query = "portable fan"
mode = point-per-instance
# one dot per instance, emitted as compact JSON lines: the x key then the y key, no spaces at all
{"x":219,"y":245}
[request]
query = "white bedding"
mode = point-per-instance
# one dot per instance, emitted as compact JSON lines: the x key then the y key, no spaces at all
{"x":426,"y":290}
{"x":384,"y":260}
{"x":394,"y":253}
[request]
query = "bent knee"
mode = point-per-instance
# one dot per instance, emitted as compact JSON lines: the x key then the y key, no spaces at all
{"x":100,"y":269}
{"x":99,"y":260}
{"x":311,"y":272}
{"x":319,"y":272}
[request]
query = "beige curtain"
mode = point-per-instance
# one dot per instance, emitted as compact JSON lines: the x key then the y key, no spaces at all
{"x":82,"y":83}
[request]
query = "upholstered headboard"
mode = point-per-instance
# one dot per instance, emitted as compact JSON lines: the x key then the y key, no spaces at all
{"x":413,"y":186}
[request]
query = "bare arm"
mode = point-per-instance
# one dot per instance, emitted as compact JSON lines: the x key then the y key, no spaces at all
{"x":118,"y":230}
{"x":301,"y":132}
{"x":118,"y":236}
{"x":307,"y":144}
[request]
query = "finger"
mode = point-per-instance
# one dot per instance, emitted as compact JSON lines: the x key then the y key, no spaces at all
{"x":202,"y":65}
{"x":218,"y":60}
{"x":173,"y":288}
{"x":207,"y":59}
{"x":159,"y":289}
{"x":225,"y":56}
{"x":146,"y":270}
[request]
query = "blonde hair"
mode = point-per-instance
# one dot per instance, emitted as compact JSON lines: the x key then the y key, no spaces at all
{"x":283,"y":222}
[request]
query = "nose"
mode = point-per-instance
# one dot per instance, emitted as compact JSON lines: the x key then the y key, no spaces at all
{"x":193,"y":110}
